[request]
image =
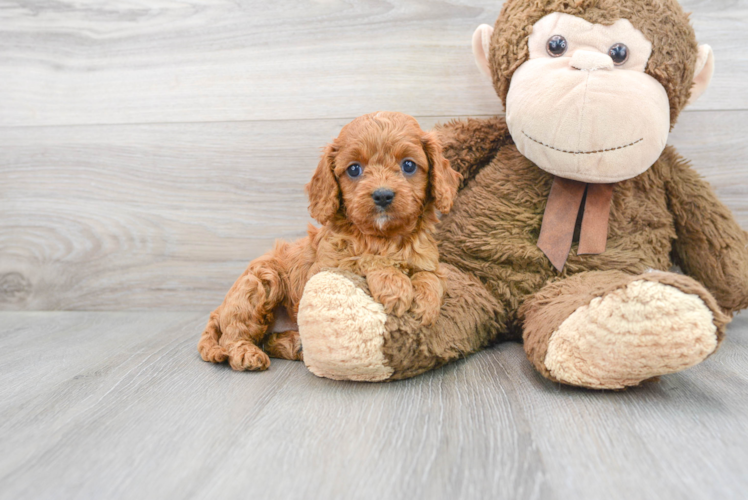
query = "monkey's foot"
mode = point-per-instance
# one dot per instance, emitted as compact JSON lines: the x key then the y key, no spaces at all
{"x":342,"y":329}
{"x":640,"y":331}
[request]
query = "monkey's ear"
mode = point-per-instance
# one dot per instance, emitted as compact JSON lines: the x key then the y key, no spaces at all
{"x":481,"y":45}
{"x":443,"y":179}
{"x":323,"y":189}
{"x":703,"y":73}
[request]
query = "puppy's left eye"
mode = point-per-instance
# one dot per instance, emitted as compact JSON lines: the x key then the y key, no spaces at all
{"x":409,"y":167}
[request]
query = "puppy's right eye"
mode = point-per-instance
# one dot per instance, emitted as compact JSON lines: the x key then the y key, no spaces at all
{"x":354,"y":170}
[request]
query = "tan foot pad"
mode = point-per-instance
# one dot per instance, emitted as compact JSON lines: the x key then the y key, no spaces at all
{"x":342,"y":330}
{"x":643,"y":330}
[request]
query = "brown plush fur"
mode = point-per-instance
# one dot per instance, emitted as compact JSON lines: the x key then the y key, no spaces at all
{"x":472,"y":140}
{"x":663,"y":22}
{"x":480,"y":319}
{"x":394,"y":248}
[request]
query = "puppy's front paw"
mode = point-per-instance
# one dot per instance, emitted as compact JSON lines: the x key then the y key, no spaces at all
{"x":391,"y":288}
{"x":426,"y":310}
{"x":427,"y":302}
{"x":247,"y":356}
{"x":427,"y":299}
{"x":212,"y":352}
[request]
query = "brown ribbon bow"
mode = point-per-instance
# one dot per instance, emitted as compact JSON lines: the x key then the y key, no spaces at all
{"x":560,"y":218}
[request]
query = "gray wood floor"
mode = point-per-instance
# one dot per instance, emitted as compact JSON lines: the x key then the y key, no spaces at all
{"x":149,"y":150}
{"x":119,"y":405}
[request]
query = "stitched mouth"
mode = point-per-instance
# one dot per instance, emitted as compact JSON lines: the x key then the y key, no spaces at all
{"x":582,"y":152}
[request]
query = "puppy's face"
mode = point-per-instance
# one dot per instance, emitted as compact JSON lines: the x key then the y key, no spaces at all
{"x":382,"y":172}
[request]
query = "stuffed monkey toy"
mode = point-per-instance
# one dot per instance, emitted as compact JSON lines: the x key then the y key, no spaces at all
{"x":571,"y":214}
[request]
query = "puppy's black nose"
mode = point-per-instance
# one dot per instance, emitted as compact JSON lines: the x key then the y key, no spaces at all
{"x":383,"y":197}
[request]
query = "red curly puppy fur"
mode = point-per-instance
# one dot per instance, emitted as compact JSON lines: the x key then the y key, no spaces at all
{"x":376,"y":191}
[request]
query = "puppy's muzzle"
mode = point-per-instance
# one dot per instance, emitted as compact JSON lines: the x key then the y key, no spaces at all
{"x":383,"y":197}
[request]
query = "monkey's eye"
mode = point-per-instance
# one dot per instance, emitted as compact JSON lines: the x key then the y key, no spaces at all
{"x":354,"y":170}
{"x":409,"y":167}
{"x":557,"y":46}
{"x":619,"y":53}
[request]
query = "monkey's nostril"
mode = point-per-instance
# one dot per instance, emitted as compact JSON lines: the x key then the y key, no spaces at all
{"x":383,"y":197}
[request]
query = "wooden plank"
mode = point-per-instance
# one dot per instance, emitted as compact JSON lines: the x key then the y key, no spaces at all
{"x":118,"y":405}
{"x":712,"y":142}
{"x":198,"y":60}
{"x":167,"y":216}
{"x":136,"y":209}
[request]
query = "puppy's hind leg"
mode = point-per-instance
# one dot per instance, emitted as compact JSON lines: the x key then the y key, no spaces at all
{"x":247,"y":311}
{"x":283,"y":340}
{"x":284,"y":345}
{"x":208,"y":346}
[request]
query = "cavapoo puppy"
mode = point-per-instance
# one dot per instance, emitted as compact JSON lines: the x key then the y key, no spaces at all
{"x":376,"y":191}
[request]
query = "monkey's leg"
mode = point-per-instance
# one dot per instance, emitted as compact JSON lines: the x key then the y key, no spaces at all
{"x":347,"y":335}
{"x":610,"y":330}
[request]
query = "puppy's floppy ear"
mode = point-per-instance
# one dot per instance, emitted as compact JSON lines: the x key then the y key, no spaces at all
{"x":442,"y":179}
{"x":323,"y":190}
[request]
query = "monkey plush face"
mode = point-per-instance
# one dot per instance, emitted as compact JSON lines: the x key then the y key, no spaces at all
{"x":582,"y":107}
{"x":592,"y":87}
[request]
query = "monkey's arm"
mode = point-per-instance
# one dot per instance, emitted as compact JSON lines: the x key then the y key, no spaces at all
{"x":710,"y":246}
{"x":471,"y":144}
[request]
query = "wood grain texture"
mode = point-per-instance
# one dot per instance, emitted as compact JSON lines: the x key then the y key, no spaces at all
{"x":65,"y":62}
{"x":149,"y":150}
{"x":119,"y":406}
{"x":167,"y":216}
